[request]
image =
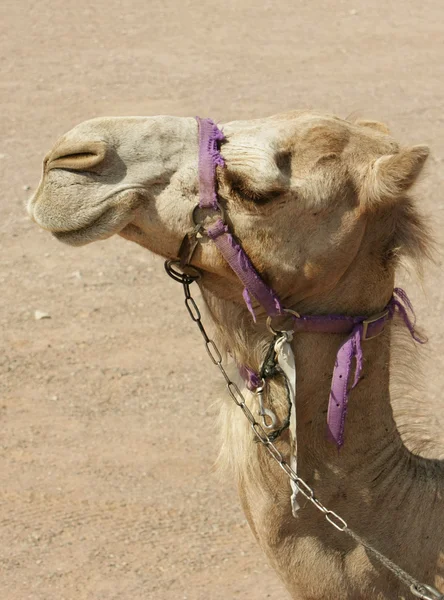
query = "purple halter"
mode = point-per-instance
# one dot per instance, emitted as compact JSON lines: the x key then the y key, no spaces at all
{"x":359,"y":328}
{"x":209,"y":158}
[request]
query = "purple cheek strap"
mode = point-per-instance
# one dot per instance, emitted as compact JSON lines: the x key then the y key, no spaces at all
{"x":238,"y":260}
{"x":358,"y":329}
{"x":210,"y":158}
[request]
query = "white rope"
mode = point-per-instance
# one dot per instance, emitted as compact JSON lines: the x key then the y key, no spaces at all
{"x":285,"y":358}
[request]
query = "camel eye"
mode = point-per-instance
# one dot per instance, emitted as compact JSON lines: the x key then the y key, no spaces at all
{"x":241,"y":188}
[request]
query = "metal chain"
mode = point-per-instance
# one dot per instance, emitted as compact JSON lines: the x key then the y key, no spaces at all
{"x":418,"y":589}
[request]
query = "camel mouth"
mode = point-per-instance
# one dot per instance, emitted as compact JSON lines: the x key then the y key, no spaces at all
{"x":104,"y":224}
{"x":109,"y":222}
{"x":101,"y":228}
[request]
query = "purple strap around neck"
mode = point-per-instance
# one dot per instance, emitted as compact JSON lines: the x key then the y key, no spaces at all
{"x":340,"y":390}
{"x":349,"y":351}
{"x":209,"y":158}
{"x":352,"y":349}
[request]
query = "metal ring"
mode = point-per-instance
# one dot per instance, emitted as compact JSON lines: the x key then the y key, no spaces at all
{"x":286,"y":311}
{"x":220,"y":209}
{"x":193,"y":215}
{"x":181,"y":275}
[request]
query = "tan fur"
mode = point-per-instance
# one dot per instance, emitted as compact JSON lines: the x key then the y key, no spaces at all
{"x":321,"y":207}
{"x":392,"y":175}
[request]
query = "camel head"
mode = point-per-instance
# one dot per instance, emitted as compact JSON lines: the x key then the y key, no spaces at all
{"x":312,"y":198}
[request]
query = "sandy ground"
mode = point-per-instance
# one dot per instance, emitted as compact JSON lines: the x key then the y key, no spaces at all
{"x":107,"y":425}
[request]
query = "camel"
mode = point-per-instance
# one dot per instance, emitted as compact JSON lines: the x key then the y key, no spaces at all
{"x":321,"y":207}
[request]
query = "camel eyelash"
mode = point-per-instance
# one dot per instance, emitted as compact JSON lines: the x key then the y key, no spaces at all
{"x":239,"y":187}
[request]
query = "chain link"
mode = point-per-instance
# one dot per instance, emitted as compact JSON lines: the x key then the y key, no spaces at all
{"x":418,"y":589}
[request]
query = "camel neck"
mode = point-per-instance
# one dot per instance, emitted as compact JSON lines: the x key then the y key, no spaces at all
{"x":370,"y":429}
{"x":373,"y":449}
{"x":371,"y":472}
{"x":373,"y":466}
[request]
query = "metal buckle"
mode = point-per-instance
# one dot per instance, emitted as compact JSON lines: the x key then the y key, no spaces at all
{"x":365,"y":324}
{"x":286,"y":311}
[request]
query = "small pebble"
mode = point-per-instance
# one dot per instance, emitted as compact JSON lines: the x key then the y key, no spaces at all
{"x":39,"y":314}
{"x":353,"y":12}
{"x":26,"y":188}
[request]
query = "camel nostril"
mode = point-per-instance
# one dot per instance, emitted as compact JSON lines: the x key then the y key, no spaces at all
{"x":77,"y":156}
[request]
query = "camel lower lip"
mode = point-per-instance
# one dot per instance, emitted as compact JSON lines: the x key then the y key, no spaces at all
{"x":106,"y":225}
{"x":111,"y":221}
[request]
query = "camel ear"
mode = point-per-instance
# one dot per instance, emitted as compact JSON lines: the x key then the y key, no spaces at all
{"x":392,"y":175}
{"x":376,"y":125}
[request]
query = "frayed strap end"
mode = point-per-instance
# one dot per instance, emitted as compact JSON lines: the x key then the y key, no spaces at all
{"x":247,"y":298}
{"x":339,"y":393}
{"x":401,"y":302}
{"x":216,"y":136}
